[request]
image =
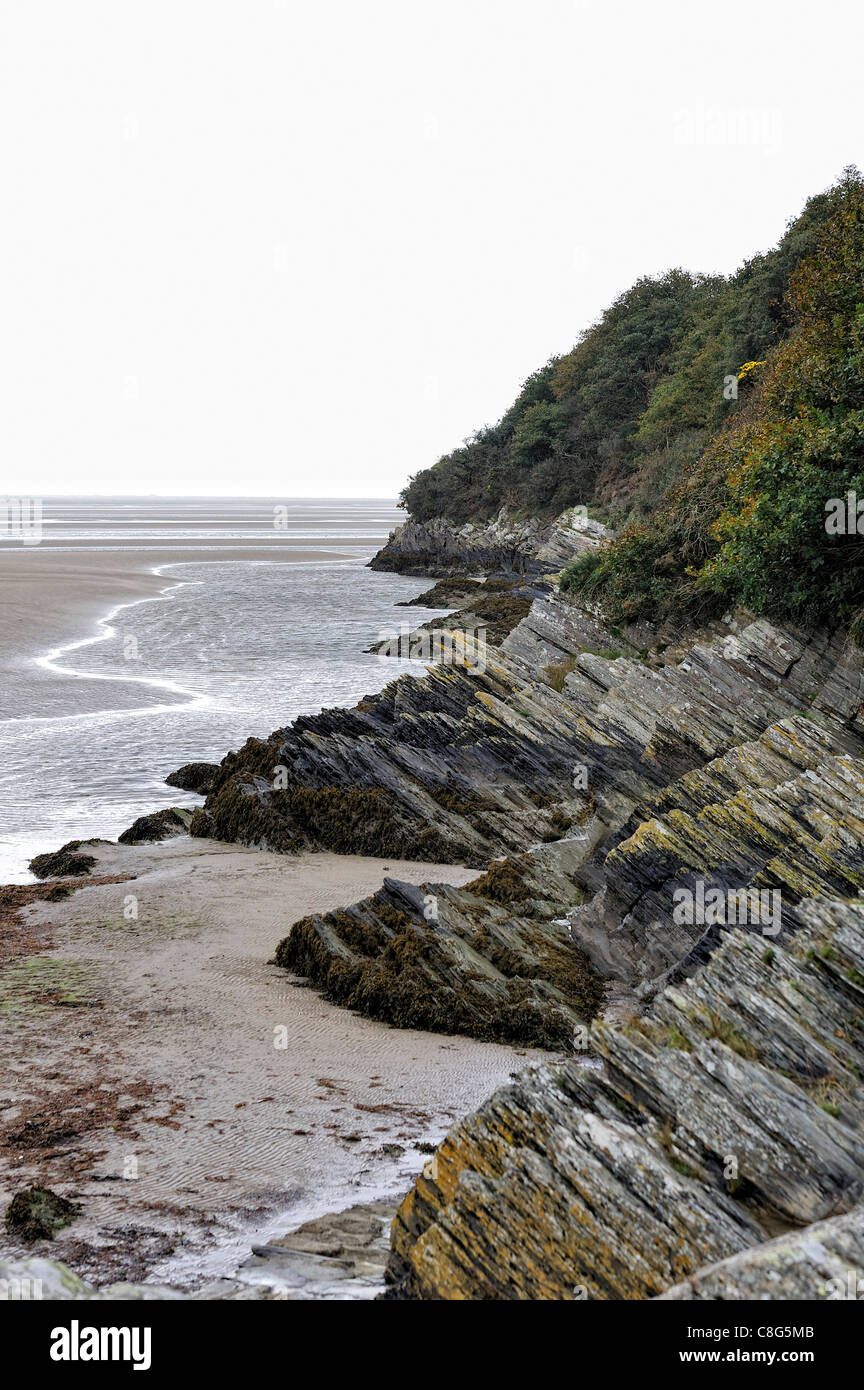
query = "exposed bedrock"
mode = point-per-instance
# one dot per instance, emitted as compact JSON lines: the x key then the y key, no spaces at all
{"x":491,"y":610}
{"x":466,"y":763}
{"x":825,"y":1260}
{"x":492,"y":960}
{"x":748,"y":743}
{"x":450,"y":593}
{"x":442,"y":547}
{"x":729,"y":1115}
{"x":735,"y":769}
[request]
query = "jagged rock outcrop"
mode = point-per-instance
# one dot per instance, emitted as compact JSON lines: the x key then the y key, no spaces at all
{"x":825,"y":1260}
{"x":727,"y":1115}
{"x":489,"y":612}
{"x":731,"y":1110}
{"x":492,"y":960}
{"x":503,"y":546}
{"x":452,"y":592}
{"x":471,"y":761}
{"x":778,"y":808}
{"x":737,"y":768}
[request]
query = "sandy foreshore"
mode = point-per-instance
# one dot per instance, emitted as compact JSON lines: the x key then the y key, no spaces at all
{"x":191,"y":1095}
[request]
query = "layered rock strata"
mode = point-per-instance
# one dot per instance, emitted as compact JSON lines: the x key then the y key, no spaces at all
{"x":488,"y":611}
{"x":492,"y":960}
{"x":505,"y":545}
{"x":736,"y":768}
{"x":471,"y":761}
{"x":729,"y":1115}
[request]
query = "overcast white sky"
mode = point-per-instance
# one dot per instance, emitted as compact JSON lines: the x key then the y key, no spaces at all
{"x":303,"y":249}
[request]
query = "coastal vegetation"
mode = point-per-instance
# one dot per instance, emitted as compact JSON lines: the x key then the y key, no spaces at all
{"x":711,"y":420}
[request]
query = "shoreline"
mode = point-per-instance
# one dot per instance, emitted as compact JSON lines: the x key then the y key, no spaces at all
{"x":70,"y":607}
{"x":163,"y":1025}
{"x":49,"y":662}
{"x":42,"y":607}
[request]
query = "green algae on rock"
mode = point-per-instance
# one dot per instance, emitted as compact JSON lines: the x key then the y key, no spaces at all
{"x":36,"y":1213}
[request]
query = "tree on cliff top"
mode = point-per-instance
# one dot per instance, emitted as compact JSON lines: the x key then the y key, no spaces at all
{"x":747,"y":522}
{"x":615,"y":421}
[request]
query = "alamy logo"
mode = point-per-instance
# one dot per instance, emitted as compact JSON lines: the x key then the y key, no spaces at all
{"x":845,"y":515}
{"x":77,"y":1343}
{"x":18,"y":1290}
{"x":850,"y":1287}
{"x":21,"y":519}
{"x":701,"y":906}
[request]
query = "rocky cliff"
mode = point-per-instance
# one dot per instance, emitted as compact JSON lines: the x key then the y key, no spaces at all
{"x":710,"y":1101}
{"x":734,"y":767}
{"x":690,"y":1133}
{"x":507,"y":545}
{"x":729,"y":1114}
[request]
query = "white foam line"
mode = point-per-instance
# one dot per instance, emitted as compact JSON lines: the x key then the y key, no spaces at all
{"x":51,"y":662}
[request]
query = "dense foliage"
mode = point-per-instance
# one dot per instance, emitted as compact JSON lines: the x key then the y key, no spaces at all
{"x":711,"y":420}
{"x":747,"y":521}
{"x":613,"y":422}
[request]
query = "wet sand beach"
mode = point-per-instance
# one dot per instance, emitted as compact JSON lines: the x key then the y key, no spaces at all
{"x":188,"y":1093}
{"x":159,"y":1069}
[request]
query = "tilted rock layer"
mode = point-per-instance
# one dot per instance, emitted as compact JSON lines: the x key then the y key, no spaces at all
{"x":492,"y":960}
{"x":737,"y":766}
{"x":729,"y":1113}
{"x":506,"y":546}
{"x":680,"y":1139}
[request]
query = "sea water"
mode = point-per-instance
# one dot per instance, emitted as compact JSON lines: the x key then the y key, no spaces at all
{"x":231,"y":648}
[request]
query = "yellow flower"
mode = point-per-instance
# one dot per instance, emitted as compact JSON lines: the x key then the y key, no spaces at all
{"x":748,"y":368}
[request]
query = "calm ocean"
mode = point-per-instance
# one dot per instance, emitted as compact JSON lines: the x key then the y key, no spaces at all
{"x":236,"y":647}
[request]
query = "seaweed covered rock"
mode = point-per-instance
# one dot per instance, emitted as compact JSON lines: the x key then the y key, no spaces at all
{"x":193,"y":777}
{"x":446,"y":593}
{"x":729,"y":1113}
{"x":490,"y":754}
{"x":35,"y":1213}
{"x":489,"y":960}
{"x":463,"y":764}
{"x":64,"y":862}
{"x":490,"y":613}
{"x":160,"y":825}
{"x":343,"y":819}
